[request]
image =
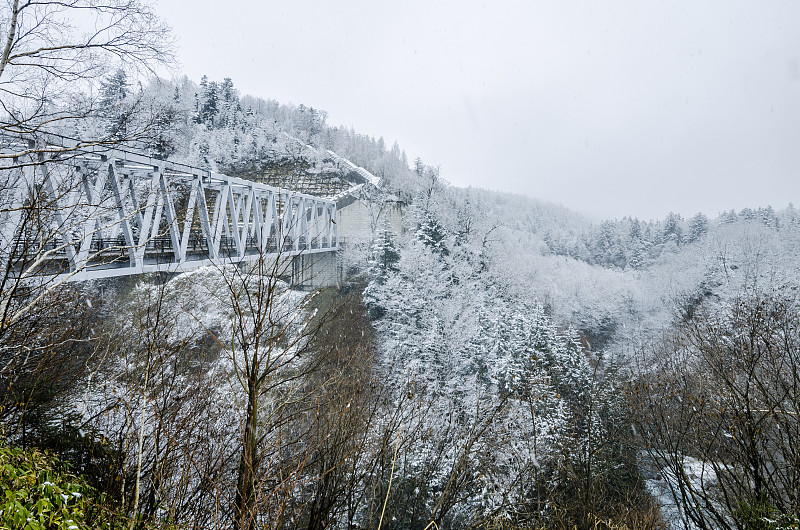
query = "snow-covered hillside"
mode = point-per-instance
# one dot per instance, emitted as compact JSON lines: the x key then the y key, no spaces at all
{"x":488,"y":360}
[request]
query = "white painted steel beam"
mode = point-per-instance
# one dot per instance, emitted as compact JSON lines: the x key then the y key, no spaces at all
{"x":118,"y":212}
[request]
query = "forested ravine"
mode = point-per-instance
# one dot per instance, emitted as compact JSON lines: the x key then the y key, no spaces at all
{"x":484,"y":359}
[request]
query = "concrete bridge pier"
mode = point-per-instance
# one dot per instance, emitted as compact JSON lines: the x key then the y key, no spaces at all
{"x":311,"y":271}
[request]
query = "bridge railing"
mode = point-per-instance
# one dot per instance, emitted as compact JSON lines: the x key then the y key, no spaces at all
{"x":90,"y":211}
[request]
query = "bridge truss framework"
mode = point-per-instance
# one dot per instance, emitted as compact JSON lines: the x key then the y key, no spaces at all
{"x":117,"y":212}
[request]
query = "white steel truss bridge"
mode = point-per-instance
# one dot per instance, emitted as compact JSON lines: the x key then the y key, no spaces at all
{"x":86,"y":212}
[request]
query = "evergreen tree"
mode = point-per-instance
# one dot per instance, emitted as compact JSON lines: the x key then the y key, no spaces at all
{"x":639,"y":255}
{"x":672,"y":230}
{"x":768,"y":217}
{"x":419,"y":167}
{"x":790,"y":216}
{"x":432,"y":234}
{"x":728,"y":217}
{"x":635,"y":230}
{"x":208,"y":102}
{"x":698,"y":227}
{"x":748,"y":214}
{"x":384,"y":255}
{"x":113,"y":93}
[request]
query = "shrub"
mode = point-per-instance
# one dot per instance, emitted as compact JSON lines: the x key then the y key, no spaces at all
{"x":39,"y":493}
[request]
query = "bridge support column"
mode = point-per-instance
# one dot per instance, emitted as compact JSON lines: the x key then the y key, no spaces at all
{"x":311,"y":271}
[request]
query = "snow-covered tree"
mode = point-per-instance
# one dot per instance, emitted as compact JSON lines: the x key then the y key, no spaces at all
{"x":432,"y":234}
{"x":698,"y":227}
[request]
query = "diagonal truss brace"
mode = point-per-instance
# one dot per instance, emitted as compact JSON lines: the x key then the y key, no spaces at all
{"x":125,"y":213}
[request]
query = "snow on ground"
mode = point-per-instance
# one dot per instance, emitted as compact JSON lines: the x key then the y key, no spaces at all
{"x":662,"y":483}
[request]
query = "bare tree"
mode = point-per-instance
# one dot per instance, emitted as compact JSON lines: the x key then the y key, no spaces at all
{"x":53,"y":52}
{"x":52,"y":55}
{"x":270,"y":353}
{"x":40,"y":358}
{"x":158,"y":402}
{"x":719,"y":412}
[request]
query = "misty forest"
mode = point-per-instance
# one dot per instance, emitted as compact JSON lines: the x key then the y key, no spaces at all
{"x":456,"y":358}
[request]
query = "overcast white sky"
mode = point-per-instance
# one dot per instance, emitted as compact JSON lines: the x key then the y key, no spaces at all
{"x":610,"y":108}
